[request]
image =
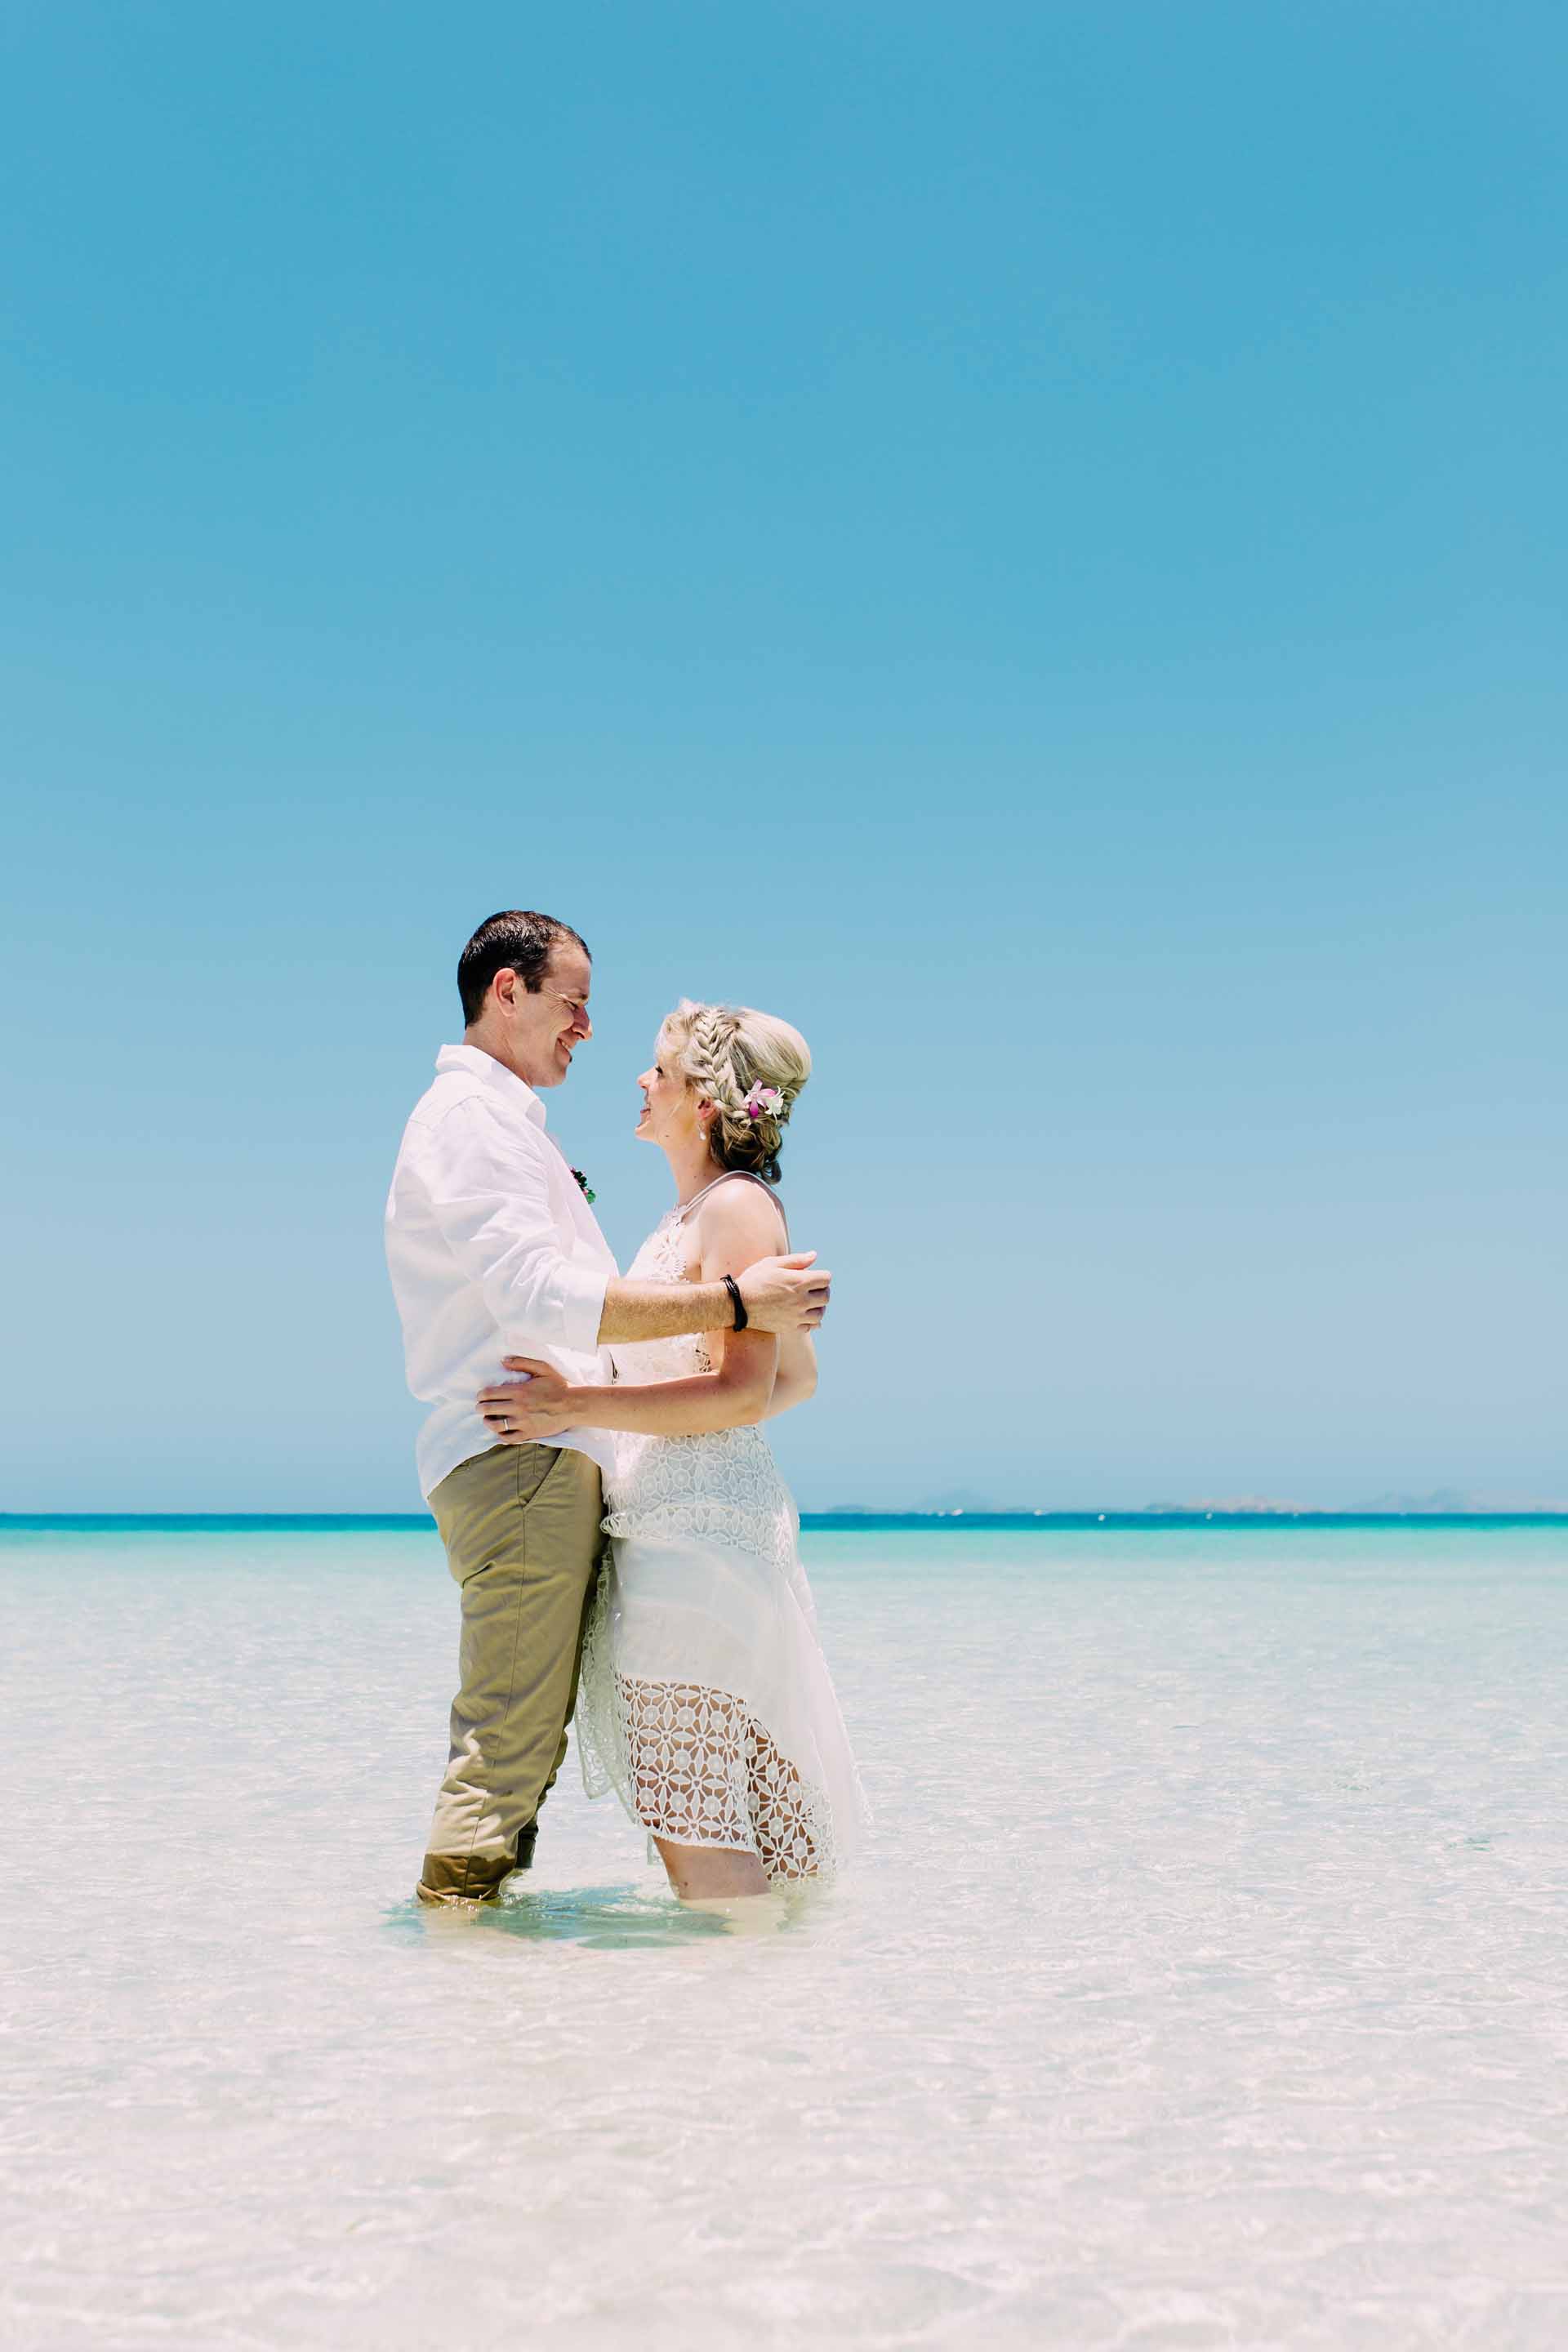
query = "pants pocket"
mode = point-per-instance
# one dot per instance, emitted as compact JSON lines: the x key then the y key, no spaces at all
{"x":534,"y":1465}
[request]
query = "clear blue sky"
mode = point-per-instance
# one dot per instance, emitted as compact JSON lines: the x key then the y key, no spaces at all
{"x":1027,"y":539}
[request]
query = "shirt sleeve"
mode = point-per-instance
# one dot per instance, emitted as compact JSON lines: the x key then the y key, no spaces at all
{"x":489,"y":1193}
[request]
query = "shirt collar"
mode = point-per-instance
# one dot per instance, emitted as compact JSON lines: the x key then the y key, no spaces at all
{"x":495,"y":1074}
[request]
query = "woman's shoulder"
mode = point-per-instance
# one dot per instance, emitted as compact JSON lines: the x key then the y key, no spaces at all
{"x":740,"y":1209}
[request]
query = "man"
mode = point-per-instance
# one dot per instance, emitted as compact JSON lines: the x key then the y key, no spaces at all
{"x":494,"y":1252}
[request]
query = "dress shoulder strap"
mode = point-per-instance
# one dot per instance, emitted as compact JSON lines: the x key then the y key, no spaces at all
{"x":744,"y":1176}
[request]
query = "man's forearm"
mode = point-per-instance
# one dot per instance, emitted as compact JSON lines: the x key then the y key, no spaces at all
{"x":664,"y":1310}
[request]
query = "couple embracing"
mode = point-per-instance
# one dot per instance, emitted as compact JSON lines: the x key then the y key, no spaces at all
{"x":621,"y":1537}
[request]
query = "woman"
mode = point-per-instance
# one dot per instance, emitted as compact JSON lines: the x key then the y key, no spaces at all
{"x":705,"y":1700}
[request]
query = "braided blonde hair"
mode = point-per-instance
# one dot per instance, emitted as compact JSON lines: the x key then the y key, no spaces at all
{"x":725,"y":1050}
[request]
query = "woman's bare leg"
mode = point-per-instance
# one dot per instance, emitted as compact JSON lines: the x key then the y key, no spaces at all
{"x":707,"y":1874}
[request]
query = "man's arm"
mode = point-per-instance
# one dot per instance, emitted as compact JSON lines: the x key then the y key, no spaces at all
{"x":739,"y":1390}
{"x":490,"y":1196}
{"x":781,"y":1294}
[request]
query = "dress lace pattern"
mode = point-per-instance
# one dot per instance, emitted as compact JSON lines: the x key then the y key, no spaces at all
{"x":704,"y":1700}
{"x":704,"y":1771}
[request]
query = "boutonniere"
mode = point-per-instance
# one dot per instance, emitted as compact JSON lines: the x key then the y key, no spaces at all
{"x":588,"y":1193}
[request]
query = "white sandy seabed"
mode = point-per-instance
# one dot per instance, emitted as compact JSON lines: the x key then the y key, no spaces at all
{"x":1205,"y":1988}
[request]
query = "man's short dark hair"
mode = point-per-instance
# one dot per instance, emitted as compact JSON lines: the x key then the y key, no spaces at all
{"x":515,"y":941}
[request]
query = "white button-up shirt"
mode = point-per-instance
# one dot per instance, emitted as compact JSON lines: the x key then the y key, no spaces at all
{"x":493,"y":1251}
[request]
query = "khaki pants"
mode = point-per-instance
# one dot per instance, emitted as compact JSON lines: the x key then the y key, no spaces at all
{"x":521,"y":1525}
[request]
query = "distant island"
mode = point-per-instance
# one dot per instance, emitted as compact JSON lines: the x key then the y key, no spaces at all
{"x":1444,"y":1502}
{"x":1439,"y":1503}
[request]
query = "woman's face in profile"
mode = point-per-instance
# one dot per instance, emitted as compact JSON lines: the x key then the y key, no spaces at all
{"x":669,"y":1105}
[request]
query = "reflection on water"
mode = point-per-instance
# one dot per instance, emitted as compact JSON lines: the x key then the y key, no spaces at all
{"x":1203,"y":1987}
{"x":609,"y":1918}
{"x":615,"y":1919}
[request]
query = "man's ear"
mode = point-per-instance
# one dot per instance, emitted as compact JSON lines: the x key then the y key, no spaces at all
{"x":505,"y":986}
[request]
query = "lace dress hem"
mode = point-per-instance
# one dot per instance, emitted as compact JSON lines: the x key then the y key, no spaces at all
{"x":695,"y":1768}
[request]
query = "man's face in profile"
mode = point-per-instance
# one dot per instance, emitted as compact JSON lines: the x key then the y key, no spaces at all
{"x":546,"y":1026}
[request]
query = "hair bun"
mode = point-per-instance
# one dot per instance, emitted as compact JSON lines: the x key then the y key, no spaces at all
{"x":737,"y":1058}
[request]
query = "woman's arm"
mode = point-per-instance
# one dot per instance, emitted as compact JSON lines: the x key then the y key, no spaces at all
{"x":795,"y":1379}
{"x":735,"y":1228}
{"x":527,"y":1412}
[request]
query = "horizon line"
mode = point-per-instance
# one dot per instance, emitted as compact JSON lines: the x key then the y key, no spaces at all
{"x":847,"y":1514}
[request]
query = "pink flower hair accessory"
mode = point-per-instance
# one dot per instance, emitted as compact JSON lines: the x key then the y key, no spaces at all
{"x":763,"y":1102}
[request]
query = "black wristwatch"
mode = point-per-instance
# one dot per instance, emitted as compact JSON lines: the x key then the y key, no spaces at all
{"x":734,"y":1287}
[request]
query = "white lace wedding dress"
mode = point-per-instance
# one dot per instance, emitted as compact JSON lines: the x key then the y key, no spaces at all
{"x":705,"y":1700}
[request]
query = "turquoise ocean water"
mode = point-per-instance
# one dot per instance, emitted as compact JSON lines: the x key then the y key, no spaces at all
{"x":1204,"y":1985}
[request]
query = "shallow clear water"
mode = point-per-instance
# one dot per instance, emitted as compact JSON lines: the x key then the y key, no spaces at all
{"x":1205,"y":1988}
